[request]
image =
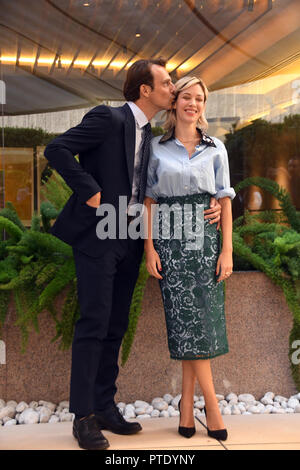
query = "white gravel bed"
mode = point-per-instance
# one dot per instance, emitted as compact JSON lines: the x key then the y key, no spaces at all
{"x":13,"y":413}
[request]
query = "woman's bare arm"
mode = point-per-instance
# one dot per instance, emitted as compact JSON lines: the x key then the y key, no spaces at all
{"x":225,"y":263}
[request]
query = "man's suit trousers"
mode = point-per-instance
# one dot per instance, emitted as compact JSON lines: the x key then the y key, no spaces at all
{"x":105,"y":286}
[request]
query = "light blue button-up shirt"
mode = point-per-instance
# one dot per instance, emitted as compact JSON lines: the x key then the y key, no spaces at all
{"x":172,"y":173}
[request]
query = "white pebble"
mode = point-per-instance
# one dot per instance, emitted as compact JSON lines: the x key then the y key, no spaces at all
{"x":65,"y":417}
{"x":140,"y":411}
{"x":164,"y":414}
{"x":253,"y":409}
{"x":121,"y":405}
{"x":293,"y":402}
{"x":12,"y":403}
{"x":226,"y":410}
{"x":289,"y":410}
{"x":155,"y":414}
{"x":168,"y":398}
{"x":235,"y":410}
{"x":7,"y":410}
{"x":175,"y":401}
{"x":64,"y":404}
{"x":160,"y":405}
{"x":231,"y":396}
{"x":268,"y":409}
{"x":33,"y":404}
{"x":144,"y":416}
{"x":129,"y":407}
{"x":241,"y":407}
{"x":278,"y":410}
{"x":200,"y":404}
{"x":279,"y":398}
{"x":247,"y":398}
{"x":10,"y":422}
{"x":267,"y":400}
{"x":29,"y":416}
{"x":140,"y":404}
{"x":45,"y":414}
{"x":233,"y":401}
{"x":53,"y":419}
{"x":21,"y":406}
{"x":270,"y":395}
{"x":48,"y":404}
{"x":223,"y":403}
{"x":129,"y":414}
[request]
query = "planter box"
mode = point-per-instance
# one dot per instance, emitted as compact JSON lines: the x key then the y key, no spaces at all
{"x":258,"y":328}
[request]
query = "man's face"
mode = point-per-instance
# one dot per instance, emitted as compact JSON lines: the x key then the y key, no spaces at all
{"x":162,"y":94}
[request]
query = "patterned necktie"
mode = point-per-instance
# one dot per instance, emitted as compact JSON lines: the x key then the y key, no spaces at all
{"x":144,"y":162}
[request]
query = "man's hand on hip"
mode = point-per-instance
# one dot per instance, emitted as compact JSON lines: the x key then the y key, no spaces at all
{"x":214,"y":213}
{"x":94,"y":201}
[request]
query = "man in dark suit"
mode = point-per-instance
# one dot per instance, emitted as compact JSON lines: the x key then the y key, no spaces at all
{"x":113,"y":148}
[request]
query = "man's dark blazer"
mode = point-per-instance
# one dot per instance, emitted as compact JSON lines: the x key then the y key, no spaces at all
{"x":105,"y":143}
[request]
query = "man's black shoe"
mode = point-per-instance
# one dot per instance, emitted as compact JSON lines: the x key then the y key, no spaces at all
{"x":112,"y":420}
{"x":88,"y":434}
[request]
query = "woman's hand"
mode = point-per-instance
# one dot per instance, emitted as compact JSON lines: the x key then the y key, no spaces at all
{"x":153,"y":263}
{"x":225,"y":265}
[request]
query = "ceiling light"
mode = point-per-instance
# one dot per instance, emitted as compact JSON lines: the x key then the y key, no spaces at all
{"x":137,"y":33}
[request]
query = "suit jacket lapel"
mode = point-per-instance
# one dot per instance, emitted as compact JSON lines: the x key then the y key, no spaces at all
{"x":129,"y":134}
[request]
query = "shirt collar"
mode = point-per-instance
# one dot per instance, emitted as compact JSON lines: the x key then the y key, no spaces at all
{"x":139,"y":115}
{"x":205,"y":138}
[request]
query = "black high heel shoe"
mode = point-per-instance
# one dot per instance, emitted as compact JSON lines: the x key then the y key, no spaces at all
{"x":185,"y":432}
{"x":220,"y":434}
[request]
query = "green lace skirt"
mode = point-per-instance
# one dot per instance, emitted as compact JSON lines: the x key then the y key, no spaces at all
{"x":193,"y":299}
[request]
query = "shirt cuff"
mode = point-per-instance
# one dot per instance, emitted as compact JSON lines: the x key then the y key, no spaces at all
{"x":89,"y":192}
{"x":229,"y":192}
{"x":149,"y":193}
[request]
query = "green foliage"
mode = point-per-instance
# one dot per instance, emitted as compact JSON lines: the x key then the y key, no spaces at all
{"x":35,"y":267}
{"x":26,"y":137}
{"x":271,"y":244}
{"x":56,"y":192}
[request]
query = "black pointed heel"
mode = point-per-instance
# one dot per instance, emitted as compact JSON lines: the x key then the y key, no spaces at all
{"x":220,"y":434}
{"x":183,"y":431}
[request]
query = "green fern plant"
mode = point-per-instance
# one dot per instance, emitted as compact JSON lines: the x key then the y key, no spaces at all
{"x":273,"y":247}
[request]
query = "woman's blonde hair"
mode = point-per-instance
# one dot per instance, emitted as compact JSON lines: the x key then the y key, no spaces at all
{"x":180,"y":85}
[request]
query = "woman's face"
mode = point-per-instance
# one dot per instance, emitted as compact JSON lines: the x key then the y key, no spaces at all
{"x":190,"y":104}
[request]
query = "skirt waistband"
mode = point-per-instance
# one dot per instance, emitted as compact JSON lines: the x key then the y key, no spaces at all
{"x":201,"y":198}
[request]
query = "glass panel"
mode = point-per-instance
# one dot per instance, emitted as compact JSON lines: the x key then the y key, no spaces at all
{"x":259,"y":123}
{"x":18,"y":182}
{"x":41,"y":163}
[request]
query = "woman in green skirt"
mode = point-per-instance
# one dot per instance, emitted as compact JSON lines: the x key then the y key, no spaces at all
{"x":183,"y":249}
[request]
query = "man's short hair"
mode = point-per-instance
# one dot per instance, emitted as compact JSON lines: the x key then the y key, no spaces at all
{"x":139,"y":73}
